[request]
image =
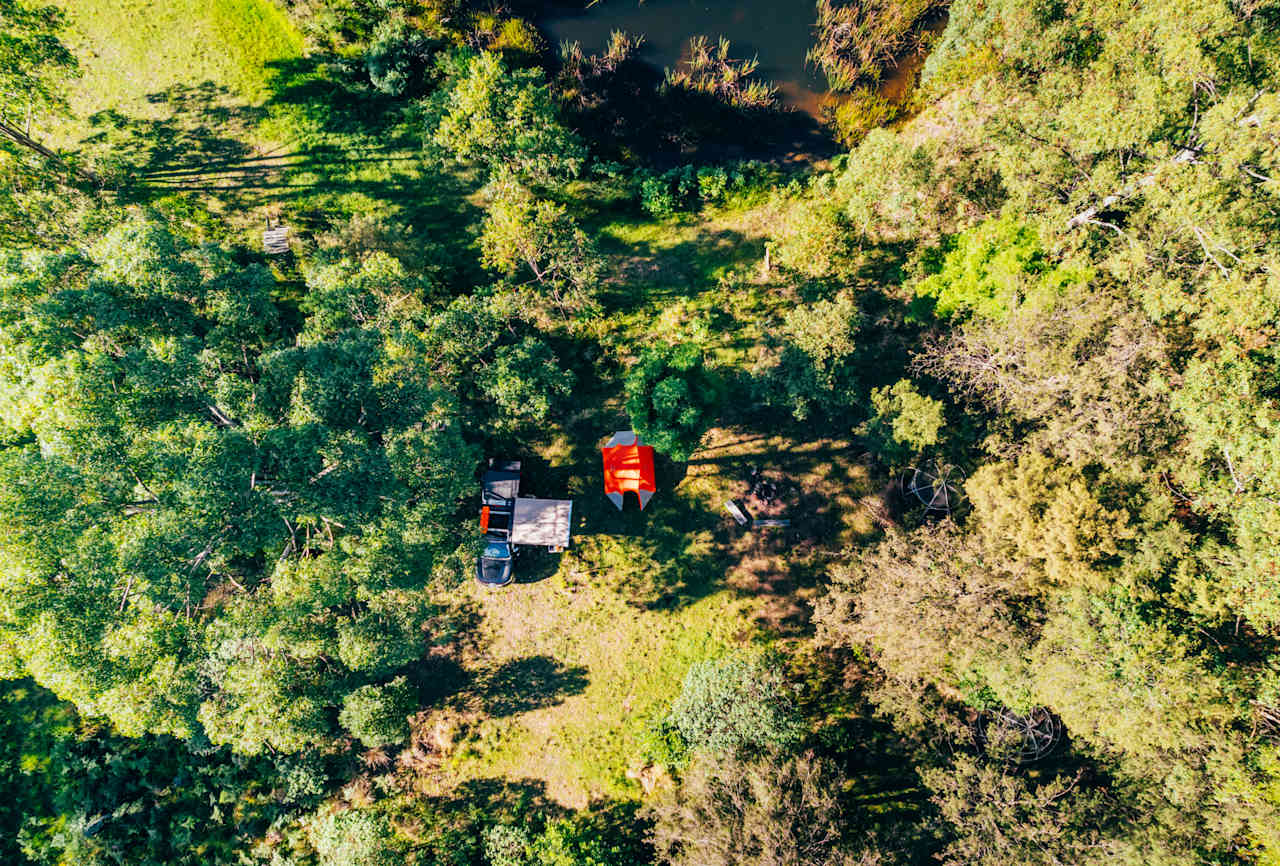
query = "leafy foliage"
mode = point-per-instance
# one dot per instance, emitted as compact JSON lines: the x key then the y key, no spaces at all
{"x":353,"y":838}
{"x":905,"y":421}
{"x":202,"y":508}
{"x":771,"y":811}
{"x":525,"y":235}
{"x":670,"y":398}
{"x":504,"y":119}
{"x":737,"y":702}
{"x":377,"y":715}
{"x":813,"y":372}
{"x":991,"y":268}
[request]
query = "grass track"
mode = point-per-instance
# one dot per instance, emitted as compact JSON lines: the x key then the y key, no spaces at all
{"x":131,"y":48}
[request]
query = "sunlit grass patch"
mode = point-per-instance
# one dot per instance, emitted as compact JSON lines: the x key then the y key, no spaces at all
{"x":129,"y":49}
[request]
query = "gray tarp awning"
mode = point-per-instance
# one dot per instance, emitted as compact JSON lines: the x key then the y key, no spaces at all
{"x":543,"y":522}
{"x":500,"y":484}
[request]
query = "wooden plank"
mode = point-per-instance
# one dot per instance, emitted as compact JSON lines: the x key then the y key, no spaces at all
{"x":276,"y":241}
{"x":738,"y":515}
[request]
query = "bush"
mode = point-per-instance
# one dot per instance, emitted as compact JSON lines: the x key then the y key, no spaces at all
{"x":769,"y":812}
{"x":814,"y":373}
{"x":505,"y":845}
{"x":304,"y":777}
{"x":397,"y":57}
{"x":670,"y":398}
{"x":905,"y":422}
{"x":862,"y":111}
{"x":688,"y":188}
{"x":736,"y":703}
{"x":378,"y":715}
{"x":354,"y":838}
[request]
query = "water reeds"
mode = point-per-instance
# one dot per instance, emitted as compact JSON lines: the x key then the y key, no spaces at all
{"x":580,"y":75}
{"x":711,"y":70}
{"x":857,"y":41}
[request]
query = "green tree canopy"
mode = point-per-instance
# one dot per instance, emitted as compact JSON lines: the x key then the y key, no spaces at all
{"x":201,"y":509}
{"x":737,"y":702}
{"x":670,"y":398}
{"x":505,"y":119}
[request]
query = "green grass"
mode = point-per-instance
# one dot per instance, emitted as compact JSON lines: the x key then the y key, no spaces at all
{"x":625,"y":665}
{"x":131,"y":48}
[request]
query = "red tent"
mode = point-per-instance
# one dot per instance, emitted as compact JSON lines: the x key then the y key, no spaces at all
{"x":628,"y":466}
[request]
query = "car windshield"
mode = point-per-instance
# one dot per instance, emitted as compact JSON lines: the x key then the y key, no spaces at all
{"x":497,"y":550}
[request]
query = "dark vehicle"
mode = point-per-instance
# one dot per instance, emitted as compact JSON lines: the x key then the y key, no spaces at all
{"x":499,"y":487}
{"x":496,"y":565}
{"x":510,"y":521}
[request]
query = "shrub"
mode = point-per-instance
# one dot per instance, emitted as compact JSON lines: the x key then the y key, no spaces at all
{"x":688,"y":188}
{"x":860,"y":112}
{"x":814,"y":373}
{"x":377,"y":715}
{"x":768,"y":812}
{"x":354,"y":838}
{"x":735,"y":703}
{"x":505,"y":845}
{"x":670,"y":398}
{"x":397,"y":56}
{"x":905,"y":422}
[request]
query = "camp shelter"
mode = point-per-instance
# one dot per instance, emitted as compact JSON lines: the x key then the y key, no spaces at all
{"x":542,"y":522}
{"x":628,"y":466}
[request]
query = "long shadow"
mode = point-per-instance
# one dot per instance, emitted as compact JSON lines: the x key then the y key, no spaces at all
{"x":647,"y":273}
{"x":339,"y":149}
{"x":526,"y":684}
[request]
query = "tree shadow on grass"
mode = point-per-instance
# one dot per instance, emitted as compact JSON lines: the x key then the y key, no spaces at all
{"x":315,"y":152}
{"x":646,"y":272}
{"x":526,"y":684}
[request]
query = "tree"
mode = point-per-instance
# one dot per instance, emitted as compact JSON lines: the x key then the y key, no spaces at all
{"x":994,"y":816}
{"x":1045,"y":519}
{"x":933,"y":610}
{"x":33,"y":64}
{"x":354,"y":838}
{"x":525,"y":382}
{"x":905,"y":422}
{"x":397,"y":57}
{"x":813,"y":372}
{"x":670,"y":398}
{"x":378,"y":715}
{"x":991,"y":268}
{"x":1083,"y":371}
{"x":538,"y":237}
{"x":770,"y":811}
{"x":505,"y":120}
{"x":201,"y":505}
{"x":737,"y":702}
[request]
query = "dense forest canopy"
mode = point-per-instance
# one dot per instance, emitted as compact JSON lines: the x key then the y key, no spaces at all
{"x":995,"y":392}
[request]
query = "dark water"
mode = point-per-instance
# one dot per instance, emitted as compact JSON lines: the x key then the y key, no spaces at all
{"x":778,"y":32}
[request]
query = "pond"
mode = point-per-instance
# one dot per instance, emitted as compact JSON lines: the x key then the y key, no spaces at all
{"x":778,"y":32}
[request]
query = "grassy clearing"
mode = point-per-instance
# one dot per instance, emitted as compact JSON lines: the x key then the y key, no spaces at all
{"x":593,"y":644}
{"x":573,"y":663}
{"x":130,"y":49}
{"x":615,"y":667}
{"x":698,"y":278}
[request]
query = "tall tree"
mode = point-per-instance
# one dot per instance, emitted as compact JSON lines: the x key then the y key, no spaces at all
{"x":202,"y":510}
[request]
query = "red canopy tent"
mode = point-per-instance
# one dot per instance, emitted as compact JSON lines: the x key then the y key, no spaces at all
{"x":628,"y":466}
